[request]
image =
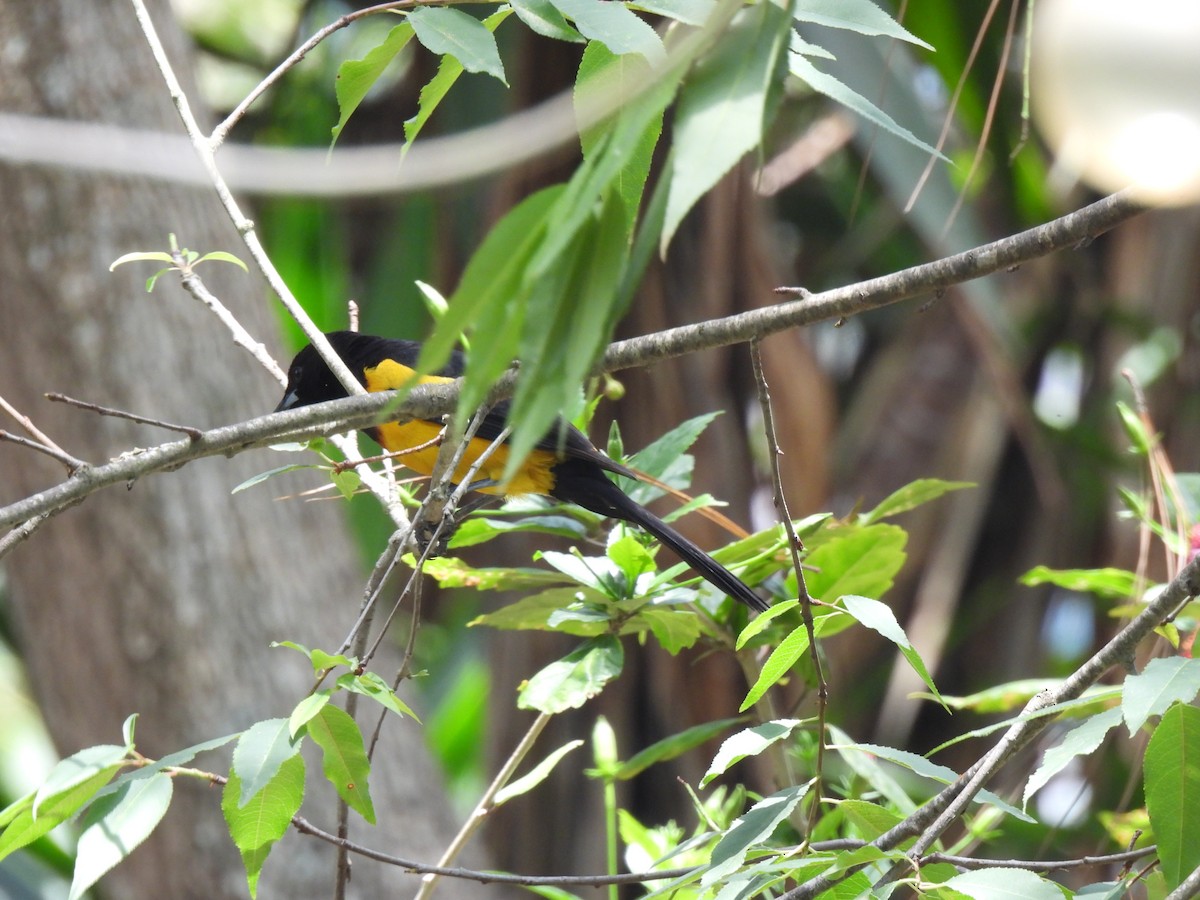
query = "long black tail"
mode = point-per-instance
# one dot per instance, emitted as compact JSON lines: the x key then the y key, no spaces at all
{"x":586,"y":485}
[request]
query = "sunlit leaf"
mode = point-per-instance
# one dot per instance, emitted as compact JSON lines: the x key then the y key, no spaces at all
{"x":1160,"y":684}
{"x":571,"y":681}
{"x":445,"y":30}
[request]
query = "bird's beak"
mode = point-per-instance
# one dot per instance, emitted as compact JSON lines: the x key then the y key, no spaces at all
{"x":288,"y":401}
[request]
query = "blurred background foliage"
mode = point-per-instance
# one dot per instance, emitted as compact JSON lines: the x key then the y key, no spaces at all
{"x":1009,"y":382}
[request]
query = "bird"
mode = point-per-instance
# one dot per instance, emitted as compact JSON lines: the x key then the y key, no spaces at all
{"x":563,"y":465}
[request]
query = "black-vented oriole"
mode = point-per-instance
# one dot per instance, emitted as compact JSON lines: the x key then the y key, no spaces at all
{"x":563,"y":465}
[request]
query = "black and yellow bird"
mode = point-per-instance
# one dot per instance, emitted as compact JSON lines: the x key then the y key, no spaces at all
{"x":563,"y":465}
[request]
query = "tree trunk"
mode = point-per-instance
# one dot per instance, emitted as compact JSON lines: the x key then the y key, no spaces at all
{"x":163,"y":599}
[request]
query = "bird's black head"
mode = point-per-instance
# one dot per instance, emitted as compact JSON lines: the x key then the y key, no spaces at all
{"x":309,"y":378}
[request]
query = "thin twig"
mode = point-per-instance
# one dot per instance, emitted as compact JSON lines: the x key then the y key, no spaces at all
{"x":486,"y":802}
{"x":190,"y":431}
{"x":795,"y":546}
{"x":27,"y":423}
{"x":1040,"y":865}
{"x":72,"y":464}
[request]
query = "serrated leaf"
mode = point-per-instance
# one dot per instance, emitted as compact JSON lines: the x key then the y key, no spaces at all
{"x":671,"y":747}
{"x":76,"y":790}
{"x":614,"y":26}
{"x":257,"y":825}
{"x":444,"y":30}
{"x":841,"y":93}
{"x":536,"y":775}
{"x":259,"y":753}
{"x":344,"y":757}
{"x":78,"y":769}
{"x":1002,"y":882}
{"x":1160,"y":684}
{"x":1110,"y":584}
{"x":861,"y":561}
{"x":918,"y":493}
{"x":1081,"y":740}
{"x":449,"y":70}
{"x":371,"y":685}
{"x":722,"y":109}
{"x":880,"y":618}
{"x":356,"y":77}
{"x":304,"y":711}
{"x":860,"y":16}
{"x":755,"y":826}
{"x":543,"y":18}
{"x":571,"y":681}
{"x":749,"y":742}
{"x":784,"y":656}
{"x":116,"y":825}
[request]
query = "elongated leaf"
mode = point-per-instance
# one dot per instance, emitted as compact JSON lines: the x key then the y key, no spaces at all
{"x":1172,"y":784}
{"x":573,"y":680}
{"x":257,"y":825}
{"x":783,"y":657}
{"x":690,"y":12}
{"x":24,"y":826}
{"x":344,"y":757}
{"x":1111,"y":584}
{"x":1001,"y":883}
{"x":444,"y":30}
{"x":1081,"y":740}
{"x":449,"y":71}
{"x":259,"y":753}
{"x":749,"y":742}
{"x":839,"y":92}
{"x":673,"y":746}
{"x":356,"y":77}
{"x":722,"y":109}
{"x":304,"y":711}
{"x":861,"y":16}
{"x":543,"y":18}
{"x":754,"y":827}
{"x":536,"y":775}
{"x":77,"y":769}
{"x":116,"y":825}
{"x":371,"y":685}
{"x":1159,"y":685}
{"x":614,"y":26}
{"x":918,"y":493}
{"x":879,"y":617}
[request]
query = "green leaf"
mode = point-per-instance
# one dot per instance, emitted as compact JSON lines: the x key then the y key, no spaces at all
{"x":356,"y":77}
{"x":1001,"y":882}
{"x":371,"y":685}
{"x":1172,"y":767}
{"x":320,"y":660}
{"x":444,"y":30}
{"x":304,"y":711}
{"x":255,"y":826}
{"x":754,"y":827}
{"x":573,"y":680}
{"x":263,"y":476}
{"x":870,"y":819}
{"x":543,"y":18}
{"x":115,"y":825}
{"x":666,"y":458}
{"x":671,"y":747}
{"x":533,"y":613}
{"x":674,"y":629}
{"x":146,"y":256}
{"x":536,"y":775}
{"x":1136,"y":429}
{"x":449,"y":71}
{"x":449,"y":571}
{"x":722,"y":109}
{"x":784,"y":656}
{"x":918,"y":493}
{"x":760,"y":622}
{"x":614,"y":26}
{"x":855,"y":560}
{"x":1081,"y":740}
{"x":1110,"y":584}
{"x":749,"y":742}
{"x":72,"y":783}
{"x":1162,"y":683}
{"x":690,"y":12}
{"x":347,"y":481}
{"x":222,"y":256}
{"x":860,"y":16}
{"x":345,"y":758}
{"x":880,"y":618}
{"x":841,"y":93}
{"x":259,"y":753}
{"x":477,"y":529}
